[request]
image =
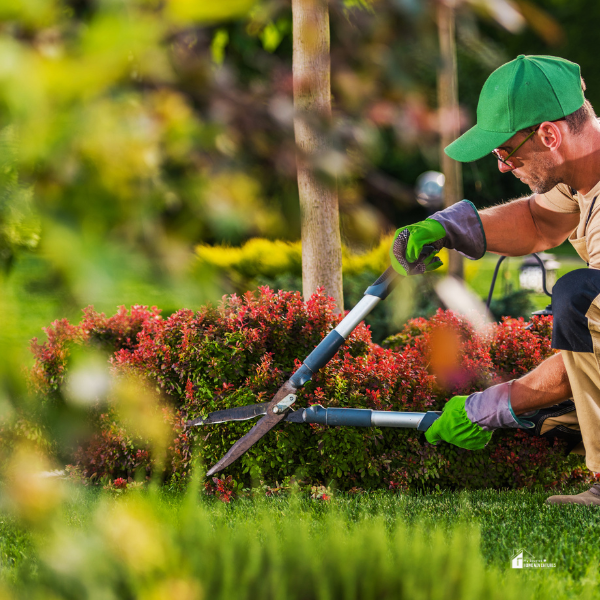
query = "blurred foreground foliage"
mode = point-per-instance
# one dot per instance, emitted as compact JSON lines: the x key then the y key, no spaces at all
{"x":148,"y":545}
{"x":160,"y":545}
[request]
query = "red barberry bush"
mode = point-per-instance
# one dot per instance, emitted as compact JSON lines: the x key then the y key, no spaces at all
{"x":240,"y":353}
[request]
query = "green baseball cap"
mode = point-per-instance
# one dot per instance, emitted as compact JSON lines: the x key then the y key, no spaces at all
{"x":524,"y":92}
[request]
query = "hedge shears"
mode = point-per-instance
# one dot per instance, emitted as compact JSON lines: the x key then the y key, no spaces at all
{"x":280,"y":407}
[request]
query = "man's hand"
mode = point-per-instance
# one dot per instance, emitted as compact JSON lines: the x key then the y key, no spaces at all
{"x":455,"y":427}
{"x":458,"y":227}
{"x":415,"y":248}
{"x":468,"y":421}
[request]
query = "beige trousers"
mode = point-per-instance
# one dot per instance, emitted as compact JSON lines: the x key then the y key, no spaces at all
{"x":583,"y":370}
{"x":576,"y":333}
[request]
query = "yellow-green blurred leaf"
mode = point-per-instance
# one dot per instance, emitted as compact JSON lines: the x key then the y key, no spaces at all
{"x":271,"y":37}
{"x":31,"y":13}
{"x":184,"y":11}
{"x":218,"y":45}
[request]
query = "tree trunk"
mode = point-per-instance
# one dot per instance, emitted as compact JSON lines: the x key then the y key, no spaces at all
{"x":449,"y":116}
{"x":319,"y":209}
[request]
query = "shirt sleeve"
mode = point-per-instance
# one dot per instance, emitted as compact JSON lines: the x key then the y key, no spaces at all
{"x":560,"y":199}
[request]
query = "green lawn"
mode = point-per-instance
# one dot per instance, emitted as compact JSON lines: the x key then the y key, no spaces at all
{"x":379,"y":545}
{"x":479,"y":275}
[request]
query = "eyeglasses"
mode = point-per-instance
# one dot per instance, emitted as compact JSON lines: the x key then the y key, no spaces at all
{"x":497,"y":153}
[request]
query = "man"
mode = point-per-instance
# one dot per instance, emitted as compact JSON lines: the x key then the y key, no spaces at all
{"x":533,"y":118}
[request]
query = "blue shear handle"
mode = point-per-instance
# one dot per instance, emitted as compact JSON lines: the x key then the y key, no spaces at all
{"x":328,"y":347}
{"x":350,"y":417}
{"x":318,"y":358}
{"x":325,"y":351}
{"x":361,"y":417}
{"x":428,"y":419}
{"x":384,"y":285}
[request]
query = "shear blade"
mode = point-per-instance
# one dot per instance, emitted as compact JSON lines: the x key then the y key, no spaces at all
{"x":245,"y":443}
{"x":257,"y":432}
{"x":240,"y":413}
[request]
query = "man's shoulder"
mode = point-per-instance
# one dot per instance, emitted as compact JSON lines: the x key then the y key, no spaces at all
{"x":561,"y":198}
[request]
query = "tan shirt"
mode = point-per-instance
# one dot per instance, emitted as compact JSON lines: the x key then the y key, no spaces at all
{"x":586,"y":237}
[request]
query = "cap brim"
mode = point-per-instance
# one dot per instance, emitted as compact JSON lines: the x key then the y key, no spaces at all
{"x":476,"y":143}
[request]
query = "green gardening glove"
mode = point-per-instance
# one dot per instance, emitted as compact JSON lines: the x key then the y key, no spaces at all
{"x":455,"y":427}
{"x":457,"y":227}
{"x":415,"y":247}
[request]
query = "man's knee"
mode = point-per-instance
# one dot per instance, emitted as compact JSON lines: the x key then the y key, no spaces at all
{"x":572,"y":297}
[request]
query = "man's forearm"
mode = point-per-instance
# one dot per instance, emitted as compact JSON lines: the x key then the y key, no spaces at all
{"x":510,"y":228}
{"x":546,"y":385}
{"x":468,"y":421}
{"x":524,"y":226}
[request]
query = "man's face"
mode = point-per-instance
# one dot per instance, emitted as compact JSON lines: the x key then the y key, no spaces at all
{"x":532,"y":163}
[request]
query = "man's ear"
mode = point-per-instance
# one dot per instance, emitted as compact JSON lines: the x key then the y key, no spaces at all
{"x":550,"y":135}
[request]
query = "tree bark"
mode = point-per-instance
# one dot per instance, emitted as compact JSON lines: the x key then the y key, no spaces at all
{"x":449,"y":116}
{"x":319,"y":208}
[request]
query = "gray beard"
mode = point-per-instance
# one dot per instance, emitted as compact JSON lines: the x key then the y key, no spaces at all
{"x":544,"y":180}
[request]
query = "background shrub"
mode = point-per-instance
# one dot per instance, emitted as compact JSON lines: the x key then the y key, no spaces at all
{"x":278,"y":265}
{"x":240,"y":352}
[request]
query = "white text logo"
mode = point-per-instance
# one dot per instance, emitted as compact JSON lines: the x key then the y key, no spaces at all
{"x":522,"y":559}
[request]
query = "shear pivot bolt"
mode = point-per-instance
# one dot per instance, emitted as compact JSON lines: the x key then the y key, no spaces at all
{"x":284,"y":404}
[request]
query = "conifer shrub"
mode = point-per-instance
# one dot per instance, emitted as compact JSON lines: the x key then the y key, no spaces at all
{"x":240,"y":353}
